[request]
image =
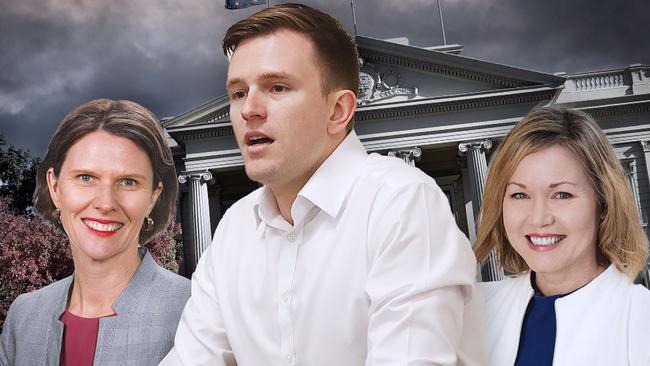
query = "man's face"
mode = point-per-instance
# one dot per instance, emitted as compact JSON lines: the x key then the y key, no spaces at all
{"x":278,"y":110}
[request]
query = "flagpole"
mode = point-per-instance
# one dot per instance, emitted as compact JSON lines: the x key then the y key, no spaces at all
{"x":354,"y":17}
{"x":442,"y":24}
{"x":268,"y":3}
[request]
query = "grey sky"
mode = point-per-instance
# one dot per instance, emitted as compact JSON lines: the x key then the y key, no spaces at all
{"x":166,"y":55}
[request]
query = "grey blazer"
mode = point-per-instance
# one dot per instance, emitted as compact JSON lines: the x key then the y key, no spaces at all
{"x":141,"y":333}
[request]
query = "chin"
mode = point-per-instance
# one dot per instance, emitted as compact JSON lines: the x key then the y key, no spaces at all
{"x":258,"y":174}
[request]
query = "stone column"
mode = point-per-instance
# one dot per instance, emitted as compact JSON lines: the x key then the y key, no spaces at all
{"x":477,"y":167}
{"x":410,"y":155}
{"x":646,"y":155}
{"x":200,"y":216}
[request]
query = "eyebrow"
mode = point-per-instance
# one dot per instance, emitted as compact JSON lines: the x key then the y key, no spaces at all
{"x":552,"y":185}
{"x":121,"y":176}
{"x":561,"y":183}
{"x":516,"y":184}
{"x":264,"y":76}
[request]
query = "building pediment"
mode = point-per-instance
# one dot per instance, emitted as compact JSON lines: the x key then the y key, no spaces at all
{"x":393,"y":72}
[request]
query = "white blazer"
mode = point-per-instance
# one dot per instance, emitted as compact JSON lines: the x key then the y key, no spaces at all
{"x":606,"y":322}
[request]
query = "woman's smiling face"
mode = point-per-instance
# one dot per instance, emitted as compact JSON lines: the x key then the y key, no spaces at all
{"x":551,"y":214}
{"x":104,"y":191}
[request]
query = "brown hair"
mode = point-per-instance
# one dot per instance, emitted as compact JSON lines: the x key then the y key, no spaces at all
{"x":621,"y":239}
{"x":120,"y":118}
{"x":336,"y":51}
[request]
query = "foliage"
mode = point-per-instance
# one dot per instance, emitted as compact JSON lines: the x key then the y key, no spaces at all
{"x":33,"y":254}
{"x":167,"y":248}
{"x":17,"y":176}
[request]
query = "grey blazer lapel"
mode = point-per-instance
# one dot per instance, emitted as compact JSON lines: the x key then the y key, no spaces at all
{"x":55,"y":330}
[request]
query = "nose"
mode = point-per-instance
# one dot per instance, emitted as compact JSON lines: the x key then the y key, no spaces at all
{"x":105,"y":198}
{"x":542,"y":214}
{"x":254,"y":106}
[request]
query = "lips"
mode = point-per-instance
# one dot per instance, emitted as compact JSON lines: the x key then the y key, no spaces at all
{"x":257,"y":143}
{"x":253,"y":138}
{"x":102,"y":227}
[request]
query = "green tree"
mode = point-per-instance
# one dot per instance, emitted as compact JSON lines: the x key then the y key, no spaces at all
{"x":17,"y":176}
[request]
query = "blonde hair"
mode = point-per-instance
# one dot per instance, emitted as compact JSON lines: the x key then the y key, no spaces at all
{"x":621,"y":239}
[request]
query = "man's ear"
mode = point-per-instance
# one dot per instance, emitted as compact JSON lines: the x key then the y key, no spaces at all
{"x":344,"y":105}
{"x":53,"y":187}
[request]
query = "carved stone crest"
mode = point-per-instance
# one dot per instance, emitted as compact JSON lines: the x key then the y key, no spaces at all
{"x":375,"y":85}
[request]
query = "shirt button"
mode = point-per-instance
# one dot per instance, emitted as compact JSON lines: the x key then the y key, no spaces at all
{"x":289,"y":358}
{"x":285,"y":296}
{"x":292,"y":237}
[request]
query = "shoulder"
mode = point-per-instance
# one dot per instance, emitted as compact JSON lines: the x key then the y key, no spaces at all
{"x":43,"y":297}
{"x":390,"y":184}
{"x":638,"y":324}
{"x":392,"y":172}
{"x":36,"y":309}
{"x":496,"y":291}
{"x":640,"y":299}
{"x":173,"y":284}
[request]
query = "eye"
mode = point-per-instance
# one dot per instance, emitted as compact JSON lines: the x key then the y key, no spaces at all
{"x":279,"y":88}
{"x":563,"y":195}
{"x":85,"y":178}
{"x":129,"y":183}
{"x":519,"y":196}
{"x":237,"y":94}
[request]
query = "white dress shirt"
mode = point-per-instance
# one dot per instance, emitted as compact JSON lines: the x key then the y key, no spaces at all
{"x":374,"y":271}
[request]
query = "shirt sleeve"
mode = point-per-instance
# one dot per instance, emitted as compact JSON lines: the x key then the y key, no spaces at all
{"x":201,"y":337}
{"x":421,"y":276}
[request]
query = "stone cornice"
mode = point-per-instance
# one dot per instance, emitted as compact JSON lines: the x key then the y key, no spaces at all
{"x":446,"y":105}
{"x":224,"y":129}
{"x":618,"y":109}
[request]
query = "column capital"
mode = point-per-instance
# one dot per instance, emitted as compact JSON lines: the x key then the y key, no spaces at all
{"x":205,"y":176}
{"x":646,"y":146}
{"x":409,"y":155}
{"x":483,"y":145}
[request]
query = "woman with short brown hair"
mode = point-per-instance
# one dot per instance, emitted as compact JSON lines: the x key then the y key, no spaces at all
{"x":108,"y":180}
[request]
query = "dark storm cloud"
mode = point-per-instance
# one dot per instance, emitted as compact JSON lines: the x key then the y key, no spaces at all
{"x":549,"y":36}
{"x":56,"y":54}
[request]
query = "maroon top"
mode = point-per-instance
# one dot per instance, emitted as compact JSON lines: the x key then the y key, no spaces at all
{"x":79,"y":340}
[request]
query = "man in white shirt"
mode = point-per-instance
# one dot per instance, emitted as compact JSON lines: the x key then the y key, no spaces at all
{"x":341,"y":258}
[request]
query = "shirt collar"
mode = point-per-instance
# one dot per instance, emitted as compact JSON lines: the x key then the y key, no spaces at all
{"x":328,"y":186}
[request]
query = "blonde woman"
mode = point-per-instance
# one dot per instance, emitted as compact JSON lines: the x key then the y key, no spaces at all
{"x":561,"y":216}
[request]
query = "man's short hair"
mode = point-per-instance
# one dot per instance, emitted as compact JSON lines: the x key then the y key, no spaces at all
{"x":336,"y":50}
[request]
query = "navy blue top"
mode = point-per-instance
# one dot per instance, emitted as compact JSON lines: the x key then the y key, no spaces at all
{"x":537,"y":339}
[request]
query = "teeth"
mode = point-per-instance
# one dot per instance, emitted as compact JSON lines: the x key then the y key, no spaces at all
{"x":257,"y":139}
{"x":102,"y":227}
{"x":545,"y":240}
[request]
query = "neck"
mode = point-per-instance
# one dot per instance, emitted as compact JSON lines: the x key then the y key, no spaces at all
{"x":97,"y":285}
{"x":550,"y":284}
